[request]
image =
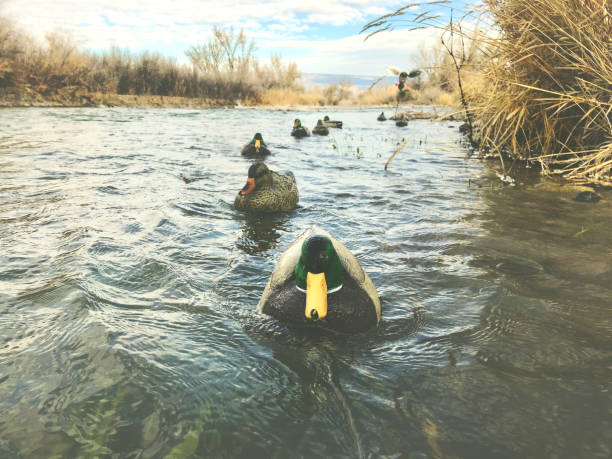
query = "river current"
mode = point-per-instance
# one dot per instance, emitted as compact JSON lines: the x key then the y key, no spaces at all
{"x":128,"y":298}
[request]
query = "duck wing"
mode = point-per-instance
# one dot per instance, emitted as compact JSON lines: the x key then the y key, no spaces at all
{"x":355,"y":271}
{"x":285,"y":176}
{"x":285,"y":266}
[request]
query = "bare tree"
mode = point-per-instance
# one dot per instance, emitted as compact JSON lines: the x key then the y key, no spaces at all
{"x":227,"y":52}
{"x":459,"y":60}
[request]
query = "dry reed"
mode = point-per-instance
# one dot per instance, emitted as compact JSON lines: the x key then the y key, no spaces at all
{"x":549,"y":95}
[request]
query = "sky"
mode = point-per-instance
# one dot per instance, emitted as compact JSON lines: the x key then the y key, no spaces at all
{"x":321,"y":36}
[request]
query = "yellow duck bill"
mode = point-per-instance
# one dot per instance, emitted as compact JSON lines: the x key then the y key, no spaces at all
{"x":316,"y":296}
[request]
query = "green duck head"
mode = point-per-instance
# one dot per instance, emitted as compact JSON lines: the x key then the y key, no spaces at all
{"x":297,"y":123}
{"x":318,"y":272}
{"x":259,"y":177}
{"x":257,"y":140}
{"x":326,"y":118}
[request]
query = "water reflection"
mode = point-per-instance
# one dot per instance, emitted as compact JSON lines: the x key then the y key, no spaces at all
{"x":544,"y":337}
{"x":311,"y":354}
{"x":261,"y":233}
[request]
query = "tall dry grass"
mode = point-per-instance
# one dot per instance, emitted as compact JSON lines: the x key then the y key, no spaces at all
{"x":549,"y":94}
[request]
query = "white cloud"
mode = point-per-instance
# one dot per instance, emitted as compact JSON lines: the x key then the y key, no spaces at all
{"x":49,"y":14}
{"x":352,"y":55}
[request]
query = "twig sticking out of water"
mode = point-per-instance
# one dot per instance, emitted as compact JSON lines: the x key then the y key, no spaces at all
{"x":395,"y":152}
{"x":376,"y":82}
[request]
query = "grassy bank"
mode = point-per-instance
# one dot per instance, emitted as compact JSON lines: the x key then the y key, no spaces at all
{"x":76,"y":97}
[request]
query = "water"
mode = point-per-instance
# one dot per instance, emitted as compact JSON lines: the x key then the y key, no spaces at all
{"x":128,"y":297}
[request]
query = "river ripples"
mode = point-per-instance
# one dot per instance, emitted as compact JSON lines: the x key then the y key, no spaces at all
{"x":128,"y":295}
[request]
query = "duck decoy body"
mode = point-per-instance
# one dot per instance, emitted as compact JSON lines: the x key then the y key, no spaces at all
{"x":319,"y":282}
{"x":298,"y":130}
{"x":256,"y":147}
{"x":267,"y":191}
{"x":332,"y":123}
{"x":320,"y":129}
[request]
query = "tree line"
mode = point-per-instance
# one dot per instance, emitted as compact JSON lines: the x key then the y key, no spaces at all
{"x":223,"y":69}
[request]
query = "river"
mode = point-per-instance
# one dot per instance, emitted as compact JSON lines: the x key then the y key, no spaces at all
{"x":128,"y":318}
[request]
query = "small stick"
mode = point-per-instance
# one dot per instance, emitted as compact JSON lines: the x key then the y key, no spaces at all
{"x":397,"y":150}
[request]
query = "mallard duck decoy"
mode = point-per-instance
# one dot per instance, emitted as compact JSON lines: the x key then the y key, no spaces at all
{"x":400,"y":120}
{"x":256,"y":147}
{"x":299,"y":130}
{"x":332,"y":123}
{"x":320,"y":129}
{"x":267,"y":191}
{"x":382,"y":117}
{"x":318,"y":281}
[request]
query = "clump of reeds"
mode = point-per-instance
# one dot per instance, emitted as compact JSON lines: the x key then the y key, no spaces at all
{"x":549,"y":95}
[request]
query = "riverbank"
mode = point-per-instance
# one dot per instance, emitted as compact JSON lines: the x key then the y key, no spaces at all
{"x":78,"y":98}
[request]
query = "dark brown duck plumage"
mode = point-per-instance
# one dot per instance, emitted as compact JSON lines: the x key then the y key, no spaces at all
{"x":320,"y":129}
{"x":267,"y":191}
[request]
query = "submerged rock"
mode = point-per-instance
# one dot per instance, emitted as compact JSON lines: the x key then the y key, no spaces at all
{"x":464,"y":128}
{"x":587,"y":196}
{"x":511,"y":264}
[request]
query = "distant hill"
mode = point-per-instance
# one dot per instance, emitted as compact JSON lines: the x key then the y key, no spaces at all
{"x":359,"y":81}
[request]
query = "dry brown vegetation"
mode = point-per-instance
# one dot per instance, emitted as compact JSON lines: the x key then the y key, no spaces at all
{"x":541,"y":87}
{"x":549,"y":94}
{"x":223,"y":71}
{"x":58,"y":69}
{"x":438,"y":84}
